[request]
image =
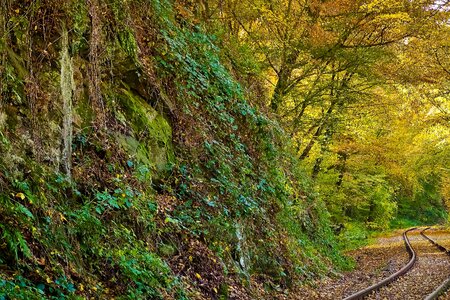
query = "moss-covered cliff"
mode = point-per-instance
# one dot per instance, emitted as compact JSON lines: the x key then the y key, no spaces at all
{"x":133,"y":166}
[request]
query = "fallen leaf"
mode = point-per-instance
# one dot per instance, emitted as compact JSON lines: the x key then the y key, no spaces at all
{"x":20,"y":195}
{"x":62,"y":218}
{"x":41,"y":261}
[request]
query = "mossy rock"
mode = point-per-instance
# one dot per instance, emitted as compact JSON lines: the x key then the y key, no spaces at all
{"x":14,"y":76}
{"x":84,"y":115}
{"x":18,"y":63}
{"x":150,"y":140}
{"x":166,"y":250}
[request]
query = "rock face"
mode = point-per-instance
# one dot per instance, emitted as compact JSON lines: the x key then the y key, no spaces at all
{"x":150,"y":137}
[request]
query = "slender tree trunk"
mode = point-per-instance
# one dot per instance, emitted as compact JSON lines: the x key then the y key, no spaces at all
{"x":316,"y":168}
{"x":341,"y":167}
{"x":302,"y":110}
{"x":318,"y":132}
{"x":297,"y":122}
{"x":323,"y":148}
{"x":311,"y":143}
{"x":336,"y":99}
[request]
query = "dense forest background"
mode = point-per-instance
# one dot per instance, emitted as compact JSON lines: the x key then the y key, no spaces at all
{"x":157,"y":149}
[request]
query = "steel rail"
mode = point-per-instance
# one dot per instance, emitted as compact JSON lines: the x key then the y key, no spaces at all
{"x":446,"y":284}
{"x":412,"y":259}
{"x":437,"y":245}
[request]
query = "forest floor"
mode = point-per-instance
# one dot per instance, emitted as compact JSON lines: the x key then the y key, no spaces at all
{"x":384,"y":257}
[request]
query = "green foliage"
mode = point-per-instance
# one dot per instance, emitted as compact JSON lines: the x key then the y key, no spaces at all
{"x":426,"y":205}
{"x":147,"y":272}
{"x":80,"y":25}
{"x":241,"y":186}
{"x":402,"y":222}
{"x":15,"y":241}
{"x":366,"y":199}
{"x":124,"y":33}
{"x":20,"y":288}
{"x":383,"y":209}
{"x":15,"y":217}
{"x":353,"y":235}
{"x":12,"y":79}
{"x":119,"y":199}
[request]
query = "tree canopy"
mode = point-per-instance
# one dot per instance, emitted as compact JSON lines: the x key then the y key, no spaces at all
{"x":361,"y":88}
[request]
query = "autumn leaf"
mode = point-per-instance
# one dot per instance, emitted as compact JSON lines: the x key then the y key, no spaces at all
{"x":41,"y":261}
{"x":20,"y":196}
{"x":62,"y":218}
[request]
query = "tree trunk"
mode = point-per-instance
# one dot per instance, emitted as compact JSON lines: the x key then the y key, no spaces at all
{"x":341,"y":167}
{"x":323,"y":149}
{"x":279,"y":91}
{"x":318,"y":132}
{"x":284,"y":76}
{"x":316,"y":168}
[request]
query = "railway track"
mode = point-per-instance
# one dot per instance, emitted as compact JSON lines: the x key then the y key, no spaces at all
{"x":412,"y":259}
{"x":446,"y":284}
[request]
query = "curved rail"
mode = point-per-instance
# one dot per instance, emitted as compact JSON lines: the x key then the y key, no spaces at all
{"x":440,"y":247}
{"x":362,"y":293}
{"x":439,"y":291}
{"x":446,"y":284}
